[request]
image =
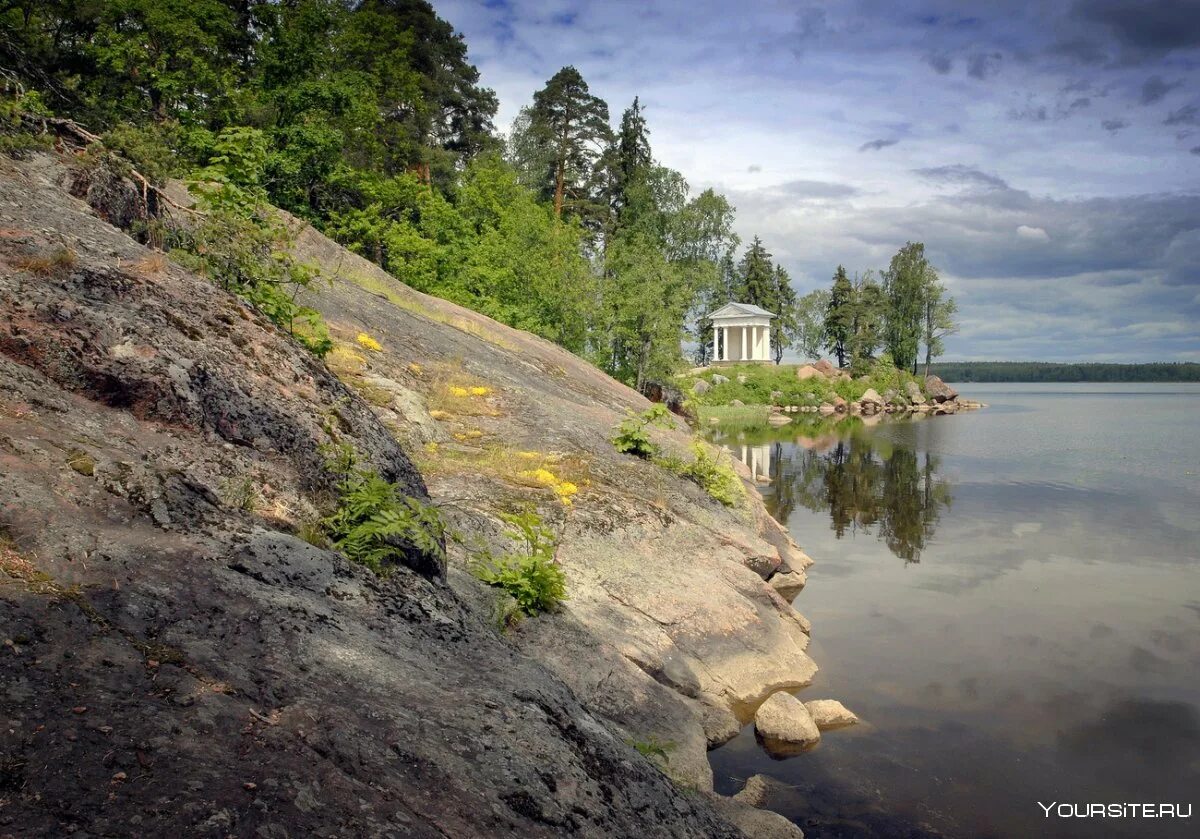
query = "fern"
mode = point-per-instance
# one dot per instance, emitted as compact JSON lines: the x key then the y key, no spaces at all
{"x":533,"y":579}
{"x":374,"y":522}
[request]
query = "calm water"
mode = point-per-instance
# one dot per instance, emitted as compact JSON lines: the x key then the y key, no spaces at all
{"x":1010,"y":599}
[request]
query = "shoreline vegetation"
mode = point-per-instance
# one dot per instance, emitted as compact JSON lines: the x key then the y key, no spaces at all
{"x":750,"y":395}
{"x":1050,"y":371}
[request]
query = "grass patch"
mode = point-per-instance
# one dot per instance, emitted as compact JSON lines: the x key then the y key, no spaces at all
{"x":563,"y":475}
{"x":416,"y":307}
{"x":455,"y":392}
{"x":733,"y":416}
{"x":531,"y":576}
{"x":58,"y":261}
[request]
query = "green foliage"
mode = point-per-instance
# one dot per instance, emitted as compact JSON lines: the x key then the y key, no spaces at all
{"x":763,"y":380}
{"x":633,"y":434}
{"x":1042,"y":371}
{"x":904,"y":286}
{"x":839,"y":316}
{"x":374,"y":524}
{"x":531,"y":577}
{"x":714,"y":476}
{"x":652,"y":748}
{"x":241,"y":244}
{"x":15,"y":137}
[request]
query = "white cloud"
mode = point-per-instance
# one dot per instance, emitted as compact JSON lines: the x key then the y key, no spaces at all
{"x":1036,"y":234}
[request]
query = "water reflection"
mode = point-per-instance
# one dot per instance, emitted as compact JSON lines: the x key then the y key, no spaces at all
{"x":866,"y":482}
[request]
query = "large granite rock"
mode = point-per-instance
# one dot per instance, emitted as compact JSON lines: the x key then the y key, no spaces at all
{"x":825,"y":368}
{"x":938,"y":390}
{"x":173,"y":638}
{"x":807,"y":372}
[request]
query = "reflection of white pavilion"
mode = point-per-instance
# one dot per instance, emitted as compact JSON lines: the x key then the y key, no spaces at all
{"x":757,"y":458}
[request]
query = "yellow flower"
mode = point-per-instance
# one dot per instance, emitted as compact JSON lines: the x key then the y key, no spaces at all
{"x":368,"y":343}
{"x":541,"y":476}
{"x":455,"y":390}
{"x":565,"y":490}
{"x":480,"y":391}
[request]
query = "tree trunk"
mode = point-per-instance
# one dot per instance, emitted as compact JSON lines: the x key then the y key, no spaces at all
{"x":558,"y":191}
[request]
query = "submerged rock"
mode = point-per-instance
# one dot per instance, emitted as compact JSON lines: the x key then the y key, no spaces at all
{"x":829,"y":714}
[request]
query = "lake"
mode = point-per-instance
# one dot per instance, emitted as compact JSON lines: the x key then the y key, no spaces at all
{"x":1009,"y":599}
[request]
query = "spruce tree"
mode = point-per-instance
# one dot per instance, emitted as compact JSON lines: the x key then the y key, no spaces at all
{"x":839,"y":315}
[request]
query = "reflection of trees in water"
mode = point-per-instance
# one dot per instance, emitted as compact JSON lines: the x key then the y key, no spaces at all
{"x":890,"y":488}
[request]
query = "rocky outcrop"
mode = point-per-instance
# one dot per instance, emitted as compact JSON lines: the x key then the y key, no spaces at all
{"x":784,"y":726}
{"x":807,"y":371}
{"x":829,"y":714}
{"x":938,"y":390}
{"x":825,"y":368}
{"x":161,"y":455}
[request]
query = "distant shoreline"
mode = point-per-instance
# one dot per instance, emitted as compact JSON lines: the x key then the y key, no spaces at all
{"x":970,"y":372}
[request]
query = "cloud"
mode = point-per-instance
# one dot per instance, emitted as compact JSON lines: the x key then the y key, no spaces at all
{"x":753,"y":168}
{"x":1036,"y":234}
{"x":1112,"y":126}
{"x":960,"y":174}
{"x":1144,"y":28}
{"x":941,"y":62}
{"x":1195,"y":150}
{"x":1187,"y":115}
{"x":876,"y":145}
{"x":981,"y":65}
{"x":1154,"y":89}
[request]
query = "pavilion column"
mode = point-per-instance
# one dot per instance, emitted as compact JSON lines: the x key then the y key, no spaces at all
{"x":714,"y":355}
{"x":744,"y":343}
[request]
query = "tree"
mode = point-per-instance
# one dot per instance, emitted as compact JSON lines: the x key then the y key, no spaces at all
{"x":568,"y":127}
{"x":867,"y":321}
{"x":810,"y":322}
{"x":939,"y":313}
{"x":756,"y":276}
{"x":784,"y":326}
{"x":904,"y":286}
{"x":629,"y":158}
{"x":839,"y":315}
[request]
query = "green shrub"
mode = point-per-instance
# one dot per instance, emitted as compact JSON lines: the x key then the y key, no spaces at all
{"x":633,"y":435}
{"x":714,"y":476}
{"x":241,"y":244}
{"x":532,"y":578}
{"x":374,"y":523}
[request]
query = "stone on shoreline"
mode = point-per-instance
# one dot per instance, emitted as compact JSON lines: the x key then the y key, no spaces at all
{"x":829,"y":714}
{"x":700,"y":386}
{"x":807,"y":372}
{"x":825,"y":409}
{"x":785,"y":726}
{"x":938,"y":390}
{"x":755,"y":791}
{"x":824,"y":367}
{"x":718,"y":379}
{"x":914,"y":393}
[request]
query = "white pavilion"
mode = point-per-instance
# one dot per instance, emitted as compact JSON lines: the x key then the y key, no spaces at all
{"x":741,"y":332}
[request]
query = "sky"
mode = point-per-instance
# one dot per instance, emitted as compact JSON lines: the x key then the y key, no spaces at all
{"x":1046,"y":153}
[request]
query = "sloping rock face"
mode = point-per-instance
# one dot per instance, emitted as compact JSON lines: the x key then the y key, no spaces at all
{"x":177,"y":662}
{"x":671,"y":631}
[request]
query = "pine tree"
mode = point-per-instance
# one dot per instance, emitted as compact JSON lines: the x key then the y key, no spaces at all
{"x":938,"y":321}
{"x":570,"y":126}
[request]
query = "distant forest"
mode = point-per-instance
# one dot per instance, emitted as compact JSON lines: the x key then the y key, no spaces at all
{"x":1043,"y":371}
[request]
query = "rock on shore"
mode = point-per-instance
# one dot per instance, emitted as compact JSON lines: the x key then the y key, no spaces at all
{"x":784,"y":726}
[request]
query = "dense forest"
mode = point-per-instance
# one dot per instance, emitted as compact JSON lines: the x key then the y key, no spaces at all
{"x":1042,"y":371}
{"x":367,"y":119}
